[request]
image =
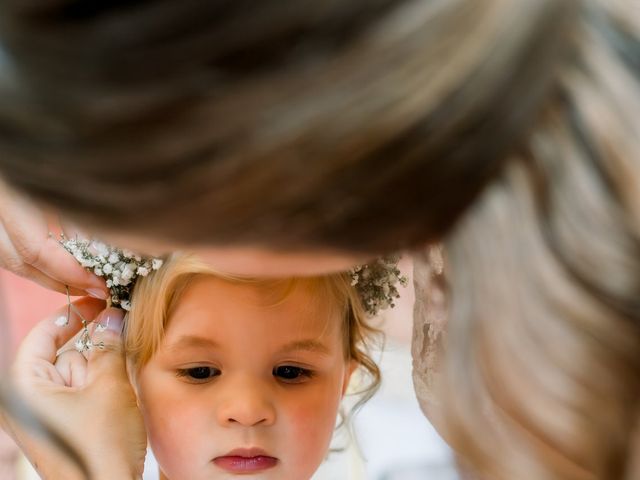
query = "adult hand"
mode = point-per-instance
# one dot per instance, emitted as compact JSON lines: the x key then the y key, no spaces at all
{"x":97,"y":416}
{"x":27,"y":249}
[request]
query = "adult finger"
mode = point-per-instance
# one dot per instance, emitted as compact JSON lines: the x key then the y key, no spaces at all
{"x":107,"y":356}
{"x":48,"y":336}
{"x":10,"y":260}
{"x":72,"y":366}
{"x":27,"y":230}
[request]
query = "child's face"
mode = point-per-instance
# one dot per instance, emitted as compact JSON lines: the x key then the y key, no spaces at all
{"x":242,"y":387}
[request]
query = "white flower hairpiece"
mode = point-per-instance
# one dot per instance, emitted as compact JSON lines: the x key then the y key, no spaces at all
{"x":119,"y":267}
{"x":376,"y":283}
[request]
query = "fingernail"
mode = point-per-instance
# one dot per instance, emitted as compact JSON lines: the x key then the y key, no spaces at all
{"x":71,"y":230}
{"x":97,"y":293}
{"x":112,"y":319}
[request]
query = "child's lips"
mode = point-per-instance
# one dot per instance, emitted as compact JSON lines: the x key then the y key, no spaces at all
{"x":245,"y":460}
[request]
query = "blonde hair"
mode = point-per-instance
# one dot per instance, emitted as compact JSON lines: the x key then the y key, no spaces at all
{"x":542,"y":377}
{"x":156,"y":296}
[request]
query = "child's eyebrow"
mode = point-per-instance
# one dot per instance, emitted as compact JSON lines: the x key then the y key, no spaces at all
{"x":193,"y":341}
{"x":309,"y":345}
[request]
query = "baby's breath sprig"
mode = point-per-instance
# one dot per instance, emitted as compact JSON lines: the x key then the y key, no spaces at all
{"x":119,"y":267}
{"x":376,"y":283}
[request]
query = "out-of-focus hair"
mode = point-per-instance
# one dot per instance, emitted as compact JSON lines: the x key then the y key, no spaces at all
{"x":362,"y":125}
{"x":543,"y":366}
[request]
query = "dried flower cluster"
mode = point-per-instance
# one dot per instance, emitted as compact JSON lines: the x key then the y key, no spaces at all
{"x":376,"y":283}
{"x":119,"y":267}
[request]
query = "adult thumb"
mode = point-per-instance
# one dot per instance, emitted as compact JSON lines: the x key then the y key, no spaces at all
{"x":107,"y":354}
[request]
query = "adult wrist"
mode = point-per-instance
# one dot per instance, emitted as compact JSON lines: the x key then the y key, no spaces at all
{"x":119,"y":474}
{"x":115,"y":471}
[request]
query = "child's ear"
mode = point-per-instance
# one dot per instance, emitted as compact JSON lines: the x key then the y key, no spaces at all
{"x":351,"y":367}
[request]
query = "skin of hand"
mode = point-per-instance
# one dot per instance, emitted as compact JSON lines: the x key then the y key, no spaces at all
{"x":27,"y":249}
{"x":96,"y":412}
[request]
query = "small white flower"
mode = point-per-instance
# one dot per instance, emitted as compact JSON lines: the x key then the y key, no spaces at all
{"x":114,"y":258}
{"x":144,"y":271}
{"x":126,"y":305}
{"x":98,"y":271}
{"x":87,"y":263}
{"x":108,"y":268}
{"x":156,"y":263}
{"x":101,"y":249}
{"x":128,"y":271}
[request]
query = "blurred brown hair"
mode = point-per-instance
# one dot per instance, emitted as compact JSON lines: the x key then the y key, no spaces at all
{"x":361,"y":125}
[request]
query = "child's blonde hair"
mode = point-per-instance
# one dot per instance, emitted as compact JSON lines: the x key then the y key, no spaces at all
{"x":156,"y":296}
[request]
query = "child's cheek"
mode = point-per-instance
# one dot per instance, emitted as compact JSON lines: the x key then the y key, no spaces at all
{"x":312,"y":420}
{"x":162,"y":424}
{"x":171,"y":421}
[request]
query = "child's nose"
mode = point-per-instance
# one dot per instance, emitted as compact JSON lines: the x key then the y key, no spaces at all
{"x":247,"y":403}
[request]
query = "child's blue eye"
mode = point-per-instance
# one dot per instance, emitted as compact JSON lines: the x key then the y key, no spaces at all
{"x":199,"y":373}
{"x":291,"y":374}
